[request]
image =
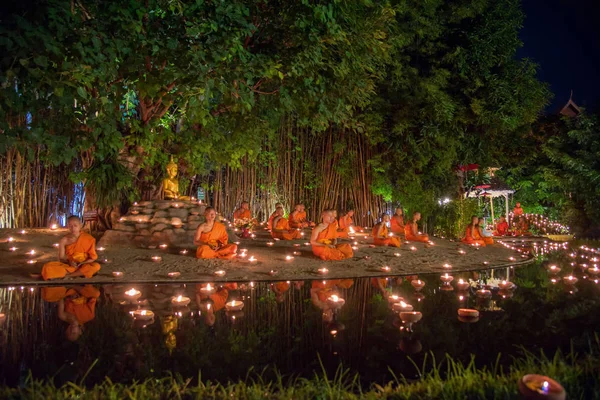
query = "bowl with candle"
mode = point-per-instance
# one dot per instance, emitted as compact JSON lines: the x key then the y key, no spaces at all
{"x":385,"y":268}
{"x":220,"y":273}
{"x":335,"y":302}
{"x":174,"y":274}
{"x":462,"y":285}
{"x":417,"y":284}
{"x":553,"y":269}
{"x":322,"y":271}
{"x":117,"y":274}
{"x":394,"y":298}
{"x":483,"y":294}
{"x":570,"y":280}
{"x":402,"y":307}
{"x":143,"y":315}
{"x":234,"y":305}
{"x":207,"y":289}
{"x":534,"y":386}
{"x":505,"y":294}
{"x":180,"y":301}
{"x":132,"y":294}
{"x":446,"y":278}
{"x":410,"y":317}
{"x":506,"y":285}
{"x":156,"y":259}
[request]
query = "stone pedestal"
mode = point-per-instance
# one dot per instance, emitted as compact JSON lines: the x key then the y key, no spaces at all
{"x":150,"y":223}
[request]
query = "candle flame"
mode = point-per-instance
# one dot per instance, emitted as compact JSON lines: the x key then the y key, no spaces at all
{"x":131,"y":292}
{"x":334,"y":298}
{"x":179,"y":298}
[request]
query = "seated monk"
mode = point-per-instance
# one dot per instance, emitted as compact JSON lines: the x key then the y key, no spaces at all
{"x":345,"y":224}
{"x":518,"y":210}
{"x":270,"y":221}
{"x":473,"y":235}
{"x":76,"y":306}
{"x":281,"y":228}
{"x":243,"y":219}
{"x":324,"y":240}
{"x":381,"y":235}
{"x":411,"y":230}
{"x":524,"y":227}
{"x":212,"y":240}
{"x":397,"y":222}
{"x":298,"y":218}
{"x":76,"y":254}
{"x":501,"y":227}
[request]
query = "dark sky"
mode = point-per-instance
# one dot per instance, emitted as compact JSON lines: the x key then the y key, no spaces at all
{"x":563,"y":38}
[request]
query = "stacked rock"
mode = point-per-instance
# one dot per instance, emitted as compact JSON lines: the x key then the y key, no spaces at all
{"x":150,"y":223}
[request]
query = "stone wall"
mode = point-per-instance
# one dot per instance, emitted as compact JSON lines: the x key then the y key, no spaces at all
{"x":150,"y":223}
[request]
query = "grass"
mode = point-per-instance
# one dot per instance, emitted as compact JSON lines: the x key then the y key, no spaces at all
{"x":440,"y":379}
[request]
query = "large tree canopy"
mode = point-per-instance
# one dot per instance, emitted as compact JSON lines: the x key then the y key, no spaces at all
{"x":430,"y":84}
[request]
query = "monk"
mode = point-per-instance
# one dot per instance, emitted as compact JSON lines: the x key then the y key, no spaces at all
{"x":397,"y":222}
{"x":243,"y":212}
{"x":281,"y":228}
{"x":212,"y":240}
{"x":381,"y":235}
{"x":473,"y":236}
{"x":501,"y":227}
{"x":76,"y":254}
{"x":518,"y":211}
{"x":298,"y":218}
{"x":524,"y":227}
{"x":485,"y":234}
{"x":411,"y":230}
{"x":345,"y":224}
{"x":270,"y":221}
{"x":324,"y":240}
{"x":76,"y":306}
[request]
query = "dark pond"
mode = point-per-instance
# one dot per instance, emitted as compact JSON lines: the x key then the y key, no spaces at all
{"x":294,"y":327}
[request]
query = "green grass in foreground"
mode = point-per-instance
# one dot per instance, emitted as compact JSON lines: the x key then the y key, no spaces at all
{"x":577,"y":373}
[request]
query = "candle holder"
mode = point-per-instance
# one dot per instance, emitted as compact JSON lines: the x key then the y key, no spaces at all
{"x":385,"y":268}
{"x":208,"y":289}
{"x":133,"y":294}
{"x":323,"y":271}
{"x":570,"y":280}
{"x":143,"y":315}
{"x":506,"y":285}
{"x":220,"y":273}
{"x":117,"y":274}
{"x":462,"y":285}
{"x":335,"y":302}
{"x":417,"y":284}
{"x":394,"y":298}
{"x":289,"y":258}
{"x":410,"y":317}
{"x":234,"y":305}
{"x":446,"y":278}
{"x":180,"y":301}
{"x":541,"y":387}
{"x":402,"y":307}
{"x":447,"y":266}
{"x":156,"y":258}
{"x":483,"y":294}
{"x":174,"y":274}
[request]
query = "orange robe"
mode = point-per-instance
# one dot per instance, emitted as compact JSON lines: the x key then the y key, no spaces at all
{"x":384,"y":239}
{"x":81,"y":250}
{"x":518,"y":211}
{"x":327,"y":288}
{"x":327,"y":236}
{"x":83,"y":307}
{"x":501,"y":229}
{"x":270,"y":221}
{"x":284,"y":233}
{"x":344,"y":228}
{"x":296,"y":221}
{"x":410,"y":232}
{"x":397,"y":224}
{"x":241,"y":213}
{"x":472,"y":236}
{"x":217,"y":237}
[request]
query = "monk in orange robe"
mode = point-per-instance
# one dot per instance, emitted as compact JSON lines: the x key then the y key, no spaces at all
{"x":411,"y":230}
{"x":298,"y":218}
{"x":501,"y":227}
{"x":473,"y":235}
{"x":212,"y":302}
{"x":279,"y":288}
{"x":281,"y":228}
{"x":76,"y":254}
{"x":381,"y":235}
{"x":397,"y":222}
{"x":270,"y":221}
{"x":212,"y":240}
{"x":324,"y":240}
{"x":345,"y":224}
{"x":76,"y":306}
{"x":518,"y":210}
{"x":242,"y":218}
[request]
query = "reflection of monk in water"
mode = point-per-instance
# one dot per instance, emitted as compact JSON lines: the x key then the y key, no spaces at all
{"x":210,"y":303}
{"x":320,"y":291}
{"x":76,"y":306}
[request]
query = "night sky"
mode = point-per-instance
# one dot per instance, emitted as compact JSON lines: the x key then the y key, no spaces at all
{"x":563,"y":38}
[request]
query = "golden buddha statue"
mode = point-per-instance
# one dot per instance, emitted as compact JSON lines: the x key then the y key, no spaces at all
{"x":171,"y":184}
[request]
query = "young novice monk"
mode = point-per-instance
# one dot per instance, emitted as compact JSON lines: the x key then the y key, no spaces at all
{"x":411,"y":230}
{"x":270,"y":221}
{"x":281,"y":228}
{"x":324,"y":240}
{"x":397,"y":222}
{"x":381,"y":236}
{"x":212,"y":240}
{"x":345,"y":224}
{"x":76,"y":254}
{"x":472,"y":235}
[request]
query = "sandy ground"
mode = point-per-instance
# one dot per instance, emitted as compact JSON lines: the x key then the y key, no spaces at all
{"x":137,"y":266}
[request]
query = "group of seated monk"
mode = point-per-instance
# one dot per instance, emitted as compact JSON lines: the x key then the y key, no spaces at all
{"x":474,"y":233}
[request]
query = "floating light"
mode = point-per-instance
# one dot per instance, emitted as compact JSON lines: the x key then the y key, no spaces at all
{"x":180,"y":301}
{"x":323,"y":271}
{"x":117,"y":274}
{"x":174,"y":274}
{"x":220,"y":272}
{"x":417,"y":284}
{"x":156,"y":258}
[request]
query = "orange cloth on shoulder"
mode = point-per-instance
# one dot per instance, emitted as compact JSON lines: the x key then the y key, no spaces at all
{"x":384,"y":239}
{"x":327,"y":236}
{"x":216,"y":244}
{"x":397,"y":224}
{"x":472,"y":236}
{"x":83,"y":249}
{"x":410,"y":233}
{"x":282,"y":230}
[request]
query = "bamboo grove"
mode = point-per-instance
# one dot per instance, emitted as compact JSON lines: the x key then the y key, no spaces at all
{"x":362,"y":105}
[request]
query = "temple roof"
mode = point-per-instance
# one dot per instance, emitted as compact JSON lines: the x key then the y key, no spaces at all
{"x":570,"y":109}
{"x":495,"y":187}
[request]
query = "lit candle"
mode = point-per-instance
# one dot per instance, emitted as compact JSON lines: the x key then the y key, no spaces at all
{"x":272,"y":272}
{"x":468,"y":313}
{"x":156,"y":258}
{"x":397,"y":254}
{"x":220,"y":273}
{"x":394,"y":298}
{"x":417,"y":284}
{"x":289,"y":258}
{"x":22,"y":232}
{"x":31,"y":261}
{"x":296,"y":244}
{"x":296,"y":253}
{"x":12,"y":249}
{"x":446,"y":278}
{"x":163,"y":246}
{"x":413,"y":248}
{"x":183,"y":252}
{"x":11,"y":239}
{"x":570,"y":280}
{"x":462,"y":252}
{"x":385,"y":268}
{"x":133,"y":294}
{"x":234,"y":305}
{"x":462,"y":285}
{"x":53,"y":227}
{"x":410,"y":317}
{"x":117,"y":274}
{"x":354,"y":247}
{"x":511,"y":259}
{"x":483,"y":293}
{"x":174,"y":274}
{"x":402,"y":307}
{"x":307,"y":244}
{"x":209,"y":288}
{"x":180,"y":301}
{"x":447,"y":266}
{"x":100,"y":249}
{"x":252,"y":259}
{"x":506,"y":285}
{"x":323,"y":271}
{"x":335,"y":301}
{"x":270,"y":243}
{"x":143,"y":315}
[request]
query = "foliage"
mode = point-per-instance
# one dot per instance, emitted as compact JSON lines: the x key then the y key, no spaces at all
{"x":445,"y":379}
{"x":559,"y":172}
{"x":452,"y":218}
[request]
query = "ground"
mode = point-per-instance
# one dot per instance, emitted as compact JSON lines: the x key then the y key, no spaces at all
{"x":137,"y":265}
